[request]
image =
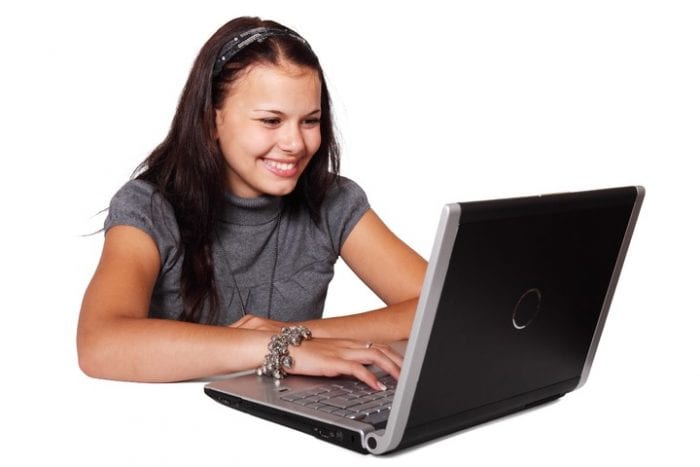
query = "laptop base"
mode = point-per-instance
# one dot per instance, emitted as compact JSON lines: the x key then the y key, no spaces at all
{"x":331,"y":433}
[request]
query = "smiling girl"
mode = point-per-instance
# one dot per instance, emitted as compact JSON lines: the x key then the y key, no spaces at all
{"x":231,"y":229}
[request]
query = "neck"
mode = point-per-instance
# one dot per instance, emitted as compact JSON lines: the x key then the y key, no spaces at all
{"x":251,"y":211}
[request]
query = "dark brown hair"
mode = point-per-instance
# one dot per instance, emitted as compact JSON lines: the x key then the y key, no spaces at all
{"x":188,"y":169}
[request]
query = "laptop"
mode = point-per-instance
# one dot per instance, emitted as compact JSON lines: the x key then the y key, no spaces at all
{"x":510,"y":315}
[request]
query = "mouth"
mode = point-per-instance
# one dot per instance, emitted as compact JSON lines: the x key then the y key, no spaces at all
{"x":282,"y":169}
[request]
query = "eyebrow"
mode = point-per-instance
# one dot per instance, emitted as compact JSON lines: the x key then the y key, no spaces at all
{"x":279,"y":112}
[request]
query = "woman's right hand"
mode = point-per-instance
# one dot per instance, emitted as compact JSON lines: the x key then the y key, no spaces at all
{"x":336,"y":357}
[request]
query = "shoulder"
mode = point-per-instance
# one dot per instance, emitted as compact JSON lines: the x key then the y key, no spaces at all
{"x":345,"y":204}
{"x":345,"y":192}
{"x":138,"y":204}
{"x":134,"y":193}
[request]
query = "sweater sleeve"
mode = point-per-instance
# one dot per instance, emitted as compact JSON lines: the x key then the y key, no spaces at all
{"x":137,"y":204}
{"x":345,"y":204}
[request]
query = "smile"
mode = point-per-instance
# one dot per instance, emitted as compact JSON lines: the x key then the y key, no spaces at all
{"x":280,"y":165}
{"x":283,"y":169}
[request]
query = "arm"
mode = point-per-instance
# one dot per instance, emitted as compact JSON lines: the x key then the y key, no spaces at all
{"x":391,"y":270}
{"x":117,"y":340}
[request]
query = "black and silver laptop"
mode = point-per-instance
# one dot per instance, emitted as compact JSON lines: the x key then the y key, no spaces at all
{"x":511,"y":312}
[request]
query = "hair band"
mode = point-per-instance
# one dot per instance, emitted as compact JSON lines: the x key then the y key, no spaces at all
{"x":238,"y":43}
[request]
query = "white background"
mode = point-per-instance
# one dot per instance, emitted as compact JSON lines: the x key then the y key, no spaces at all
{"x":435,"y":104}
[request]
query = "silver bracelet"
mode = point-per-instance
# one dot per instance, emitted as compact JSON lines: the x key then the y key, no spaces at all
{"x":278,"y":359}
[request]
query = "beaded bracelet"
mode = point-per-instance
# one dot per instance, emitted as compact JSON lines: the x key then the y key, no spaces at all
{"x":278,"y":359}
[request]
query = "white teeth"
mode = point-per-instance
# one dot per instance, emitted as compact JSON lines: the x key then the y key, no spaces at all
{"x":280,"y":165}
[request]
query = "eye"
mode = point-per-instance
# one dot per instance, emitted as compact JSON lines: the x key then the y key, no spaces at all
{"x":312,"y":122}
{"x":271,"y":122}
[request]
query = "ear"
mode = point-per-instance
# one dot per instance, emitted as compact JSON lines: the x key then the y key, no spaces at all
{"x":218,"y":120}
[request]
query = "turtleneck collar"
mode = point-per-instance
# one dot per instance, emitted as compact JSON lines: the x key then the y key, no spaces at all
{"x":251,"y":211}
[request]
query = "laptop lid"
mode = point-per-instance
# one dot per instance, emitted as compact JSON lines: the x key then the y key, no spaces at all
{"x":514,"y":304}
{"x":512,"y":308}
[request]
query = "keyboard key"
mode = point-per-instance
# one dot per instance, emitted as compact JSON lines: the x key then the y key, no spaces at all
{"x":342,"y":413}
{"x":341,"y":403}
{"x":336,"y":393}
{"x":316,"y":398}
{"x":366,"y":408}
{"x":365,"y":399}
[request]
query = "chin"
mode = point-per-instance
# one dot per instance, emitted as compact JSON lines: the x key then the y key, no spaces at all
{"x":281,"y":189}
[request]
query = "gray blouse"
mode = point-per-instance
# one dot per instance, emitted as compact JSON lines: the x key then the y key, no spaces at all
{"x":252,"y":236}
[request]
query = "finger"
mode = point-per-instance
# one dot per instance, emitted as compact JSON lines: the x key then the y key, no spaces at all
{"x":363,"y":374}
{"x":395,"y":357}
{"x":333,"y":366}
{"x":374,"y":356}
{"x":362,"y":356}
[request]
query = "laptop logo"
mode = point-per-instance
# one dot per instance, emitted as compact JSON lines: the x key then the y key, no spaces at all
{"x":527,"y":308}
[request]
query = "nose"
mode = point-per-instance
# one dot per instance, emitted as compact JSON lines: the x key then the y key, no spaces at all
{"x":291,"y":139}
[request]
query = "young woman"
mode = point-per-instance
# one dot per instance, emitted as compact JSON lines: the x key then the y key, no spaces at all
{"x":231,"y":229}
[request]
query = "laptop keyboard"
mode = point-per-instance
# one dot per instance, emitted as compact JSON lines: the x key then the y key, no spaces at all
{"x":350,"y":399}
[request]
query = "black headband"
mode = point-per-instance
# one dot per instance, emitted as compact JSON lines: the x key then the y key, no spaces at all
{"x":246,"y":38}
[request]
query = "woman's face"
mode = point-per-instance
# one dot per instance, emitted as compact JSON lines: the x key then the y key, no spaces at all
{"x":268,"y":128}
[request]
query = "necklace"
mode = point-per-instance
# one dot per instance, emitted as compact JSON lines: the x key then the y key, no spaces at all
{"x":276,"y":232}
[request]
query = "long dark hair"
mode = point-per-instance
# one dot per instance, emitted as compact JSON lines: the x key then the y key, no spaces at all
{"x":188,"y":169}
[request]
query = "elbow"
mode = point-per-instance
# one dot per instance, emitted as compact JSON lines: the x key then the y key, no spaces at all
{"x":87,"y":367}
{"x":91,"y":358}
{"x":88,"y":361}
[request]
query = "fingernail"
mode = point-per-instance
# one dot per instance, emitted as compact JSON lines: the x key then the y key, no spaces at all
{"x":381,"y":386}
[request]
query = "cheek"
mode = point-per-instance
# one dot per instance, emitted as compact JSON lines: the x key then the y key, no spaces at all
{"x":246,"y":142}
{"x":314,"y":142}
{"x":257,"y":142}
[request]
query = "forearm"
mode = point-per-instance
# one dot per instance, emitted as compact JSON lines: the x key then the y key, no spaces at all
{"x":154,"y":350}
{"x":387,"y":324}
